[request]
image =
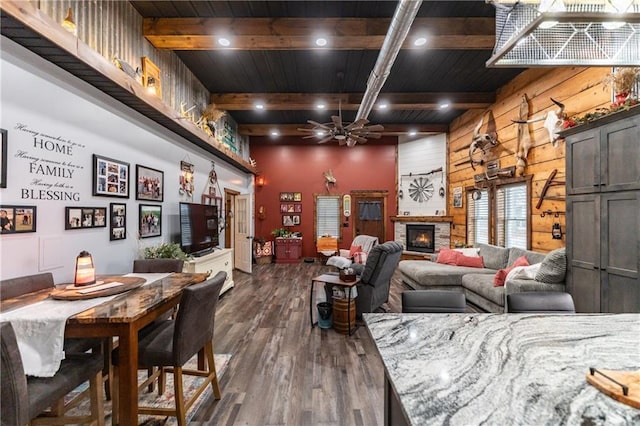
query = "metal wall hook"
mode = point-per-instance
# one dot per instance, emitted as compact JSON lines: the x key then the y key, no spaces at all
{"x":556,"y":213}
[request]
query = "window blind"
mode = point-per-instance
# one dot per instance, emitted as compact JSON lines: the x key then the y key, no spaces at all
{"x":478,"y":218}
{"x":327,"y":215}
{"x":511,"y":216}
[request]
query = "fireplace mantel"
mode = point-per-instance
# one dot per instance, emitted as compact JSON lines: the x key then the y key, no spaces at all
{"x":446,"y":219}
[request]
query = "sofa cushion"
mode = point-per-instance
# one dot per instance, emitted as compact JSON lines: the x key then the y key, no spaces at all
{"x":494,"y":257}
{"x":436,"y":274}
{"x":470,"y":261}
{"x":554,"y":267}
{"x":354,"y":249}
{"x":531,"y":256}
{"x":482,"y":284}
{"x":470,"y":251}
{"x":448,"y":257}
{"x":501,"y":275}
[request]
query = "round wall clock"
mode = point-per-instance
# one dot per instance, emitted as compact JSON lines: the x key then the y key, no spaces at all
{"x":421,"y":190}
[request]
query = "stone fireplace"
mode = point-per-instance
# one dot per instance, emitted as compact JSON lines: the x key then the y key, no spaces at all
{"x":421,"y":238}
{"x":440,"y":236}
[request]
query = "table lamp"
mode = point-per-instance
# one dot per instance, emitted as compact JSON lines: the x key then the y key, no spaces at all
{"x":85,"y":271}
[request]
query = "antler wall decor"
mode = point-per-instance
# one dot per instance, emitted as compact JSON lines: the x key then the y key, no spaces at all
{"x":553,"y":121}
{"x":483,"y":141}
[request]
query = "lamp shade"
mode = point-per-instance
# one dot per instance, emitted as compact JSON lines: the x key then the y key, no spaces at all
{"x":85,"y":271}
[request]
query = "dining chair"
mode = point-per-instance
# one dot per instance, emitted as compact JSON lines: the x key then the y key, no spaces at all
{"x":170,"y":344}
{"x":149,"y":266}
{"x":19,"y":286}
{"x":25,"y":398}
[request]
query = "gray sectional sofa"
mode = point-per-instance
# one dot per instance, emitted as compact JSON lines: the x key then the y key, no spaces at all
{"x":477,"y":283}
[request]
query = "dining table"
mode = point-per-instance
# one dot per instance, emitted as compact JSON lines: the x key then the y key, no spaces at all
{"x":122,"y":316}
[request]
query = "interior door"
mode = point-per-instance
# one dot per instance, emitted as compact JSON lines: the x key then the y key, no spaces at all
{"x":369,"y":215}
{"x":243,"y":237}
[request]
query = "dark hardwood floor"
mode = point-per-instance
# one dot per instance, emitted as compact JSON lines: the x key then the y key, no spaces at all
{"x":282,"y":371}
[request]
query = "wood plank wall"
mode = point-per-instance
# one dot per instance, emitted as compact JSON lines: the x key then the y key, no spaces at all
{"x":580,"y":89}
{"x":115,"y":28}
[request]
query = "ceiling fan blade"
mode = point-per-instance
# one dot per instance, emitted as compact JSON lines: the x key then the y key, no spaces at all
{"x":337,"y":122}
{"x":358,"y":138}
{"x":300,"y":129}
{"x":325,"y":140}
{"x":322,"y":126}
{"x":373,"y":135}
{"x":309,"y":136}
{"x":357,"y":124}
{"x":373,"y":128}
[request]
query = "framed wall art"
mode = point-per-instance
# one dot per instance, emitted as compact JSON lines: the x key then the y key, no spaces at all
{"x":186,"y":180}
{"x":85,"y":217}
{"x":150,"y":221}
{"x":151,"y":77}
{"x":457,"y":197}
{"x":287,"y":220}
{"x":149,"y":184}
{"x":286,"y":196}
{"x":3,"y":159}
{"x":117,"y":221}
{"x":297,"y":196}
{"x":110,"y":177}
{"x":17,"y":219}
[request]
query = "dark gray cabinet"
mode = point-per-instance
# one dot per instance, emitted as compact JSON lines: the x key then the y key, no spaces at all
{"x":603,"y":214}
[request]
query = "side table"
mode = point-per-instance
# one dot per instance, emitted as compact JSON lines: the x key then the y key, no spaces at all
{"x":334,"y":280}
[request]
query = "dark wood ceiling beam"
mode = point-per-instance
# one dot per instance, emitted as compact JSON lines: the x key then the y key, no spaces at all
{"x":300,"y":33}
{"x":292,"y":129}
{"x":349,"y":101}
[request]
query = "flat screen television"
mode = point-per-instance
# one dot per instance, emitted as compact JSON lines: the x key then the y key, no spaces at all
{"x":198,"y":228}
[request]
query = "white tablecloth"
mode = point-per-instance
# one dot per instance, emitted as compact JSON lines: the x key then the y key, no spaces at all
{"x":40,"y":327}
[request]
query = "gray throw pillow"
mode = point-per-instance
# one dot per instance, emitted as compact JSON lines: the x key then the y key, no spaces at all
{"x":554,"y":267}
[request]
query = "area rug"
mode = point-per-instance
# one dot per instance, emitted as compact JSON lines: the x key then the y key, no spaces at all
{"x":191,"y":384}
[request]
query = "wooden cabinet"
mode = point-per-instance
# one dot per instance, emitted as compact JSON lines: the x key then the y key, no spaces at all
{"x":603,"y":214}
{"x":288,"y":250}
{"x":219,"y":260}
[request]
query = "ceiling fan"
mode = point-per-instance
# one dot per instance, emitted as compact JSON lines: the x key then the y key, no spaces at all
{"x":345,"y":133}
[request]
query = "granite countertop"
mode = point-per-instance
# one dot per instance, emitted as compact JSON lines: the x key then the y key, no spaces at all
{"x":469,"y":369}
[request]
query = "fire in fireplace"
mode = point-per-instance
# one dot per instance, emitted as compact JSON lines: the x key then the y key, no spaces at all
{"x":421,"y":238}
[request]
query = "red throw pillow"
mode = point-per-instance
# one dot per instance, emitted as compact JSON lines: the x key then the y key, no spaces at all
{"x":354,"y":249}
{"x":470,"y":261}
{"x":501,"y":275}
{"x":448,"y":257}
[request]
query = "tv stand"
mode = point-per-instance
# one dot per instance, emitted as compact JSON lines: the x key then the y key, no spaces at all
{"x":203,"y":252}
{"x":218,"y":260}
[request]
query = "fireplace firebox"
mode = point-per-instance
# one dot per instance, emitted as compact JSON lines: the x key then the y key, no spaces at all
{"x":421,"y":238}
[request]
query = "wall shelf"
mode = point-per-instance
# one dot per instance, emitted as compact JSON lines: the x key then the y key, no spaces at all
{"x":31,"y":28}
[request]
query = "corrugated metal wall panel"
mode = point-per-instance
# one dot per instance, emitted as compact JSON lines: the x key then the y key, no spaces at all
{"x":114,"y":28}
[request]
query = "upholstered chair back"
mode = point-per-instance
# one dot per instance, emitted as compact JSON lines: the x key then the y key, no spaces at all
{"x":14,"y":409}
{"x":381,"y":263}
{"x":149,"y":266}
{"x":14,"y":287}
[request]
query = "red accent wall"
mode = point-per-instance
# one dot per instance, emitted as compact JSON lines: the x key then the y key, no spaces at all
{"x":295,"y":168}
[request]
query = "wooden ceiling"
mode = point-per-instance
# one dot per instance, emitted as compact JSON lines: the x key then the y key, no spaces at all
{"x":273,"y":59}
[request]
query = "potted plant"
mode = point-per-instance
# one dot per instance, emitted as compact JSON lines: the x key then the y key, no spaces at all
{"x":622,"y":80}
{"x":165,"y":251}
{"x":280,"y":232}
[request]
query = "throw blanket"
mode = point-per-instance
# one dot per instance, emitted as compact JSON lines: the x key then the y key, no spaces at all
{"x":40,"y":327}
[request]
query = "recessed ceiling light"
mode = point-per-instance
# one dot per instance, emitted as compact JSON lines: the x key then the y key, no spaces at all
{"x":224,"y":42}
{"x":321,"y":42}
{"x":444,"y":105}
{"x":259,"y":105}
{"x":420,"y":41}
{"x":383,"y":105}
{"x":412,"y":133}
{"x":321,"y":105}
{"x":275,"y":133}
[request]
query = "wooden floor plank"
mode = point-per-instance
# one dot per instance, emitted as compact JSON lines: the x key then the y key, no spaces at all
{"x":282,"y":372}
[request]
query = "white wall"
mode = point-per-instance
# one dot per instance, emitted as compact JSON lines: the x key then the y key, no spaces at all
{"x":51,"y":102}
{"x":421,"y":156}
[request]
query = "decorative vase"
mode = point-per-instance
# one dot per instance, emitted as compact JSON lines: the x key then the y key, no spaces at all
{"x":621,"y":98}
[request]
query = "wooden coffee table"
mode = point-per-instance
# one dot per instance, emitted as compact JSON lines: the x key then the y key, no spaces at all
{"x":334,"y":280}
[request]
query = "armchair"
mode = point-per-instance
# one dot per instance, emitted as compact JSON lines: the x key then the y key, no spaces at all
{"x":346,"y":257}
{"x":373,"y":288}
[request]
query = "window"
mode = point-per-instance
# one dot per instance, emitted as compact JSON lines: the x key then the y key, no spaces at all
{"x":511,"y":216}
{"x":500,"y":215}
{"x":478,"y":217}
{"x":327,"y":215}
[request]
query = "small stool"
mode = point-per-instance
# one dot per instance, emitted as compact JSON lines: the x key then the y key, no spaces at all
{"x":433,"y":301}
{"x":540,"y":302}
